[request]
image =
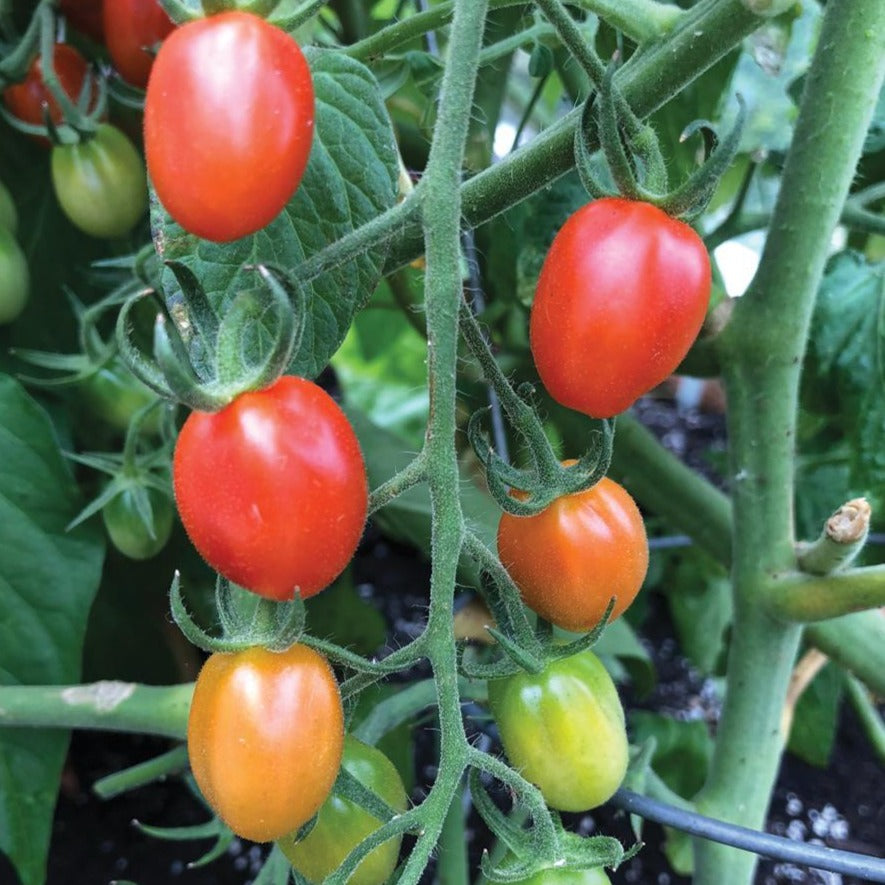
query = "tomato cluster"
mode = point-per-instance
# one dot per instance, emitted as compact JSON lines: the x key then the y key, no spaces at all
{"x":621,"y":298}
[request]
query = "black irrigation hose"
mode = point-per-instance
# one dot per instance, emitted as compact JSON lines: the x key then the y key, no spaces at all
{"x":872,"y":869}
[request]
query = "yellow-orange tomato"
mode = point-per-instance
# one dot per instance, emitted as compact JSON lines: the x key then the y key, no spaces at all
{"x":570,"y":559}
{"x":265,"y":738}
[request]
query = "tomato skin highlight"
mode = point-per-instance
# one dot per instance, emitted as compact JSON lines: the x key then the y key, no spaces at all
{"x":132,"y":28}
{"x":563,"y":730}
{"x":100,"y":183}
{"x":265,"y":736}
{"x":570,"y":559}
{"x":594,"y":876}
{"x":228,"y":124}
{"x":272,"y":489}
{"x":341,"y":824}
{"x":621,"y":298}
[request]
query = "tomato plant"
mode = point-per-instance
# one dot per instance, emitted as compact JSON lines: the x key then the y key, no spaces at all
{"x":570,"y":559}
{"x":264,"y":737}
{"x":14,"y":277}
{"x":272,"y":489}
{"x":100,"y":182}
{"x":563,"y":729}
{"x":621,"y":298}
{"x":133,"y":29}
{"x":341,"y":824}
{"x":27,"y":100}
{"x":127,"y":529}
{"x":228,"y":124}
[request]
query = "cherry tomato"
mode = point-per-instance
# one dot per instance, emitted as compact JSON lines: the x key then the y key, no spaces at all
{"x":14,"y":277}
{"x":570,"y":559}
{"x":128,"y":531}
{"x":85,"y":16}
{"x":113,"y":394}
{"x":100,"y":183}
{"x":563,"y":730}
{"x":133,"y":28}
{"x":8,"y":212}
{"x":228,"y":124}
{"x":26,"y":100}
{"x":272,"y":489}
{"x":264,"y":738}
{"x":621,"y":298}
{"x":341,"y":824}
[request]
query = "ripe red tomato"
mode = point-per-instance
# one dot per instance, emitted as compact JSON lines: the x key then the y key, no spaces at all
{"x":25,"y":100}
{"x":272,"y":489}
{"x":228,"y":124}
{"x":264,"y":737}
{"x":621,"y":298}
{"x":85,"y":16}
{"x":563,"y":730}
{"x":133,"y":28}
{"x":571,"y":558}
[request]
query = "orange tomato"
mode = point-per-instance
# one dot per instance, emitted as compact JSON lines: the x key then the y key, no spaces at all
{"x":570,"y":559}
{"x":265,"y":738}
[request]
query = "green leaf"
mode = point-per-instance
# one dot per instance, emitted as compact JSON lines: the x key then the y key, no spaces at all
{"x":46,"y":588}
{"x":843,"y":375}
{"x":699,"y":594}
{"x":817,"y":716}
{"x":351,"y":178}
{"x":382,"y":369}
{"x":340,"y":615}
{"x":682,"y":751}
{"x":619,"y":647}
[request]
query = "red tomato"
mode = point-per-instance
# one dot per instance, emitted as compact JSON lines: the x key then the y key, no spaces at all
{"x":85,"y":16}
{"x":265,"y":737}
{"x":133,"y":28}
{"x":228,"y":124}
{"x":571,"y":558}
{"x":621,"y":298}
{"x":26,"y":99}
{"x":272,"y":489}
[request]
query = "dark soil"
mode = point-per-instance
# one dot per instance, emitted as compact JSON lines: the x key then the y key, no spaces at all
{"x":96,"y":842}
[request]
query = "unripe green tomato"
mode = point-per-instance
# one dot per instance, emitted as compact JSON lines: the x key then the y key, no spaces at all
{"x":341,"y":824}
{"x":596,"y":876}
{"x":127,"y":530}
{"x":563,"y":730}
{"x":113,"y":394}
{"x":14,"y":277}
{"x":8,"y":213}
{"x":100,"y":183}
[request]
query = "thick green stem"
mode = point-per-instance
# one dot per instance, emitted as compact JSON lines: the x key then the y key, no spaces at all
{"x":857,"y":642}
{"x":106,"y":706}
{"x":764,"y":345}
{"x":802,"y":598}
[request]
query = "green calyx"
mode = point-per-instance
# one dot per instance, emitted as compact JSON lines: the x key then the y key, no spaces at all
{"x":246,"y":619}
{"x":206,"y":361}
{"x":634,"y":166}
